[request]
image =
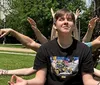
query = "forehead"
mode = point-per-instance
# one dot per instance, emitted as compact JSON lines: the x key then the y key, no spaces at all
{"x":66,"y":15}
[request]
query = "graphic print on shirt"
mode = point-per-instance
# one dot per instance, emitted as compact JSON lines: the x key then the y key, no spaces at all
{"x":64,"y":66}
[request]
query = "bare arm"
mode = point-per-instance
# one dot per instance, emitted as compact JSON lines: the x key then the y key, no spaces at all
{"x":75,"y":33}
{"x":53,"y":30}
{"x":39,"y":79}
{"x":25,"y":40}
{"x":96,"y":72}
{"x":23,"y":71}
{"x":37,"y":32}
{"x":96,"y":43}
{"x":88,"y":79}
{"x":89,"y":32}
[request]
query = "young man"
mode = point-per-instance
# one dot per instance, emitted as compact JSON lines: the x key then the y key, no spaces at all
{"x":62,"y":61}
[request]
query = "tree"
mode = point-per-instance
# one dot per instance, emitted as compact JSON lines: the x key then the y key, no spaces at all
{"x":39,"y":10}
{"x":97,"y":13}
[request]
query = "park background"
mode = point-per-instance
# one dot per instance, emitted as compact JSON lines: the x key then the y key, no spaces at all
{"x":15,"y":16}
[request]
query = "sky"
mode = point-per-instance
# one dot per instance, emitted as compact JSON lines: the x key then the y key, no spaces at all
{"x":88,"y":3}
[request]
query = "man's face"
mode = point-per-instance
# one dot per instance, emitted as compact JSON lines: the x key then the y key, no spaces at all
{"x":65,"y":24}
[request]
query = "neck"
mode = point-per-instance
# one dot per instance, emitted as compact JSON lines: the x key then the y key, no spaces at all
{"x":65,"y":42}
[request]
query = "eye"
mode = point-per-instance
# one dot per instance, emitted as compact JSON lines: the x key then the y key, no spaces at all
{"x":61,"y":19}
{"x":69,"y":19}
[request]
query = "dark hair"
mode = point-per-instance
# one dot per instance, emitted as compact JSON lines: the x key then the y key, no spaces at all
{"x":62,"y":12}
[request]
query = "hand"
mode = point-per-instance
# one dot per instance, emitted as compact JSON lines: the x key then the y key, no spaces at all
{"x":52,"y":12}
{"x":15,"y":80}
{"x":77,"y":14}
{"x":92,"y":23}
{"x":4,"y":32}
{"x":32,"y":23}
{"x":3,"y":72}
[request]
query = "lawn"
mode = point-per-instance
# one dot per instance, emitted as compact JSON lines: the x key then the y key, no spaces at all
{"x":14,"y":61}
{"x":12,"y":45}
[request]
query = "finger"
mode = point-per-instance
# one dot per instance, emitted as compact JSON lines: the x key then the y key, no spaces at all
{"x":31,"y":21}
{"x":2,"y":35}
{"x":13,"y":78}
{"x":10,"y":83}
{"x":97,"y":20}
{"x":52,"y":12}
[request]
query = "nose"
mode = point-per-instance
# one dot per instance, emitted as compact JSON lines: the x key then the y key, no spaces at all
{"x":65,"y":21}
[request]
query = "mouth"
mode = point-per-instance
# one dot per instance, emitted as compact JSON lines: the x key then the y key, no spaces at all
{"x":65,"y":27}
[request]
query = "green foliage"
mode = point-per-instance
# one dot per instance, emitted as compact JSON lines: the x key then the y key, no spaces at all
{"x":14,"y":61}
{"x":84,"y":19}
{"x":39,"y":10}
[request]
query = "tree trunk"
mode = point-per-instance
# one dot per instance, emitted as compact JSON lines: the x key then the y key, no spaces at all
{"x":97,"y":13}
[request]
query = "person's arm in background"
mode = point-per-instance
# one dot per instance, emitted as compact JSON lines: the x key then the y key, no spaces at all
{"x":39,"y":79}
{"x":42,"y":39}
{"x":75,"y":32}
{"x":90,"y":29}
{"x":21,"y":72}
{"x":53,"y":30}
{"x":25,"y":40}
{"x":88,"y":79}
{"x":96,"y":72}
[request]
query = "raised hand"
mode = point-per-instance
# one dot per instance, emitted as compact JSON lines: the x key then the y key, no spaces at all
{"x":32,"y":23}
{"x":52,"y":12}
{"x":15,"y":80}
{"x":92,"y":23}
{"x":77,"y":14}
{"x":4,"y":32}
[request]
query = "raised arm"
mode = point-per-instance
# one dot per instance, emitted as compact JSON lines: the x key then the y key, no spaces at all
{"x":25,"y":40}
{"x":22,"y":72}
{"x":75,"y":32}
{"x":39,"y":79}
{"x":90,"y":29}
{"x":37,"y":32}
{"x":53,"y":30}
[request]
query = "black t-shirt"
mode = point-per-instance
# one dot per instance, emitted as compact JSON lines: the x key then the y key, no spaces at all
{"x":64,"y":66}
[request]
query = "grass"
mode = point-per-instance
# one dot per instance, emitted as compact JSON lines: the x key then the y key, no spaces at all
{"x":14,"y":61}
{"x":12,"y":45}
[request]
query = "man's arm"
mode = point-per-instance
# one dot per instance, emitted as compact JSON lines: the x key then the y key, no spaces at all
{"x":88,"y":79}
{"x":22,"y":71}
{"x":25,"y":40}
{"x":39,"y":79}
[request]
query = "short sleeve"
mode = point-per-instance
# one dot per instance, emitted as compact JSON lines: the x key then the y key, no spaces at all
{"x":40,"y":60}
{"x":87,"y":62}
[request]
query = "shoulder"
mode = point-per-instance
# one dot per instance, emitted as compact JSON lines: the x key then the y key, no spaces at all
{"x":49,"y":44}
